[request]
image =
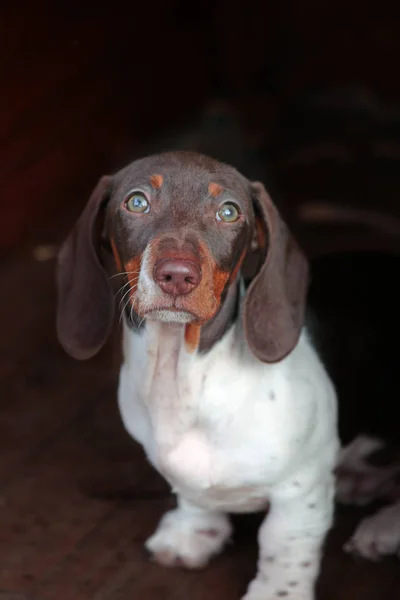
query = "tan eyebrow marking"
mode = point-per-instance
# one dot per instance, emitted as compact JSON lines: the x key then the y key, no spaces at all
{"x":214,"y":189}
{"x":156,"y":181}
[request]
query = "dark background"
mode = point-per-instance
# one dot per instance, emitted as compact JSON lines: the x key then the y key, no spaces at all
{"x":305,"y":95}
{"x":313,"y":85}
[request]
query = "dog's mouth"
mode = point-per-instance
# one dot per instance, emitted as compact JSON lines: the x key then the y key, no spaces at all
{"x":170,"y":315}
{"x":182,"y":309}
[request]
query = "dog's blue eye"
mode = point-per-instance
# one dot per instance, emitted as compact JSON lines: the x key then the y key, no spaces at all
{"x":228,"y":212}
{"x":137,"y":203}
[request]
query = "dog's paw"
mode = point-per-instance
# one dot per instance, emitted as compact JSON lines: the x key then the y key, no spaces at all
{"x":359,"y":482}
{"x":183,"y":542}
{"x":377,"y":536}
{"x":265,"y":590}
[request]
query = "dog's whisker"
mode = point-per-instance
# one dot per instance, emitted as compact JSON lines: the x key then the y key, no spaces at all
{"x":123,"y":309}
{"x":133,"y":280}
{"x":131,"y":317}
{"x":124,"y":273}
{"x":126,"y":303}
{"x":121,"y":289}
{"x":215,"y":301}
{"x":124,"y":296}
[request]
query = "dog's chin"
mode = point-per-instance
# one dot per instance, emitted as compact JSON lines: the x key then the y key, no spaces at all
{"x":170,"y":316}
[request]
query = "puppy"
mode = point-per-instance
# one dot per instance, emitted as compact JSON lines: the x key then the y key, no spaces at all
{"x":220,"y":382}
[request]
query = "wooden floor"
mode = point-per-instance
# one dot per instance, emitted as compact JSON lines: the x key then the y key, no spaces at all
{"x":77,"y":498}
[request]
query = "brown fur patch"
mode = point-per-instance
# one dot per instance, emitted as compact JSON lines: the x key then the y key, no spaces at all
{"x":118,"y":262}
{"x":220,"y":279}
{"x":192,"y":337}
{"x":156,"y":181}
{"x":214,"y":189}
{"x":132,"y":267}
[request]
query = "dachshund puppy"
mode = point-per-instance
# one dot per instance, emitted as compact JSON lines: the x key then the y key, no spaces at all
{"x":220,"y":381}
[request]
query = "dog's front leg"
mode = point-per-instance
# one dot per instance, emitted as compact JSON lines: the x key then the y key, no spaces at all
{"x":189,"y":536}
{"x":290,"y":540}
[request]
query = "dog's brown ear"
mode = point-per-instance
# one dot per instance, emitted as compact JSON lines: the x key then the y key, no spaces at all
{"x":275,"y":301}
{"x":85,"y":303}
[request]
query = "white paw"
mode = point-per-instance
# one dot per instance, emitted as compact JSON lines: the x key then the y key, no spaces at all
{"x":264,"y":590}
{"x":180,"y":541}
{"x":377,"y":536}
{"x":357,"y":481}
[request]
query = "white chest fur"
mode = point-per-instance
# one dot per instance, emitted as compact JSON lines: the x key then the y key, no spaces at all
{"x":223,"y":427}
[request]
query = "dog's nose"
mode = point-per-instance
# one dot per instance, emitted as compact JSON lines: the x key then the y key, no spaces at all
{"x":177,"y":277}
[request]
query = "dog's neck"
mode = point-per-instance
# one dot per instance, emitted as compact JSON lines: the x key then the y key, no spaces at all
{"x":168,"y":373}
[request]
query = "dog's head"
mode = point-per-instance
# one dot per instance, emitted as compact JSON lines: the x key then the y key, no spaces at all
{"x":179,"y":226}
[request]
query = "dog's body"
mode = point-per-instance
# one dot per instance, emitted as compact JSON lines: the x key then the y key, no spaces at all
{"x":223,"y":428}
{"x":220,"y":384}
{"x":231,"y":434}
